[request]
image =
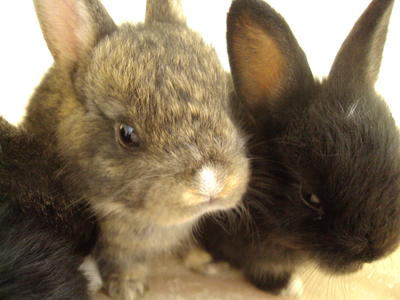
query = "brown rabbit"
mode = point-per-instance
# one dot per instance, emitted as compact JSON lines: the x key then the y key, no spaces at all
{"x":140,"y":116}
{"x":326,"y":155}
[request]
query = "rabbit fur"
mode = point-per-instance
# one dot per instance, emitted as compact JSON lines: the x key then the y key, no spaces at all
{"x":45,"y":229}
{"x":140,"y":116}
{"x":325,"y":185}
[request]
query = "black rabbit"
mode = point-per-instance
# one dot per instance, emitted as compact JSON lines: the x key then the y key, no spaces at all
{"x":326,"y":155}
{"x":45,"y":230}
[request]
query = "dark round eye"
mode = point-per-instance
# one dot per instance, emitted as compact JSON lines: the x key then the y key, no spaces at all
{"x":127,"y":136}
{"x":313,"y":202}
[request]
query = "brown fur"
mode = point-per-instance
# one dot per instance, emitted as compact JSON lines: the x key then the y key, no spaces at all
{"x":160,"y":78}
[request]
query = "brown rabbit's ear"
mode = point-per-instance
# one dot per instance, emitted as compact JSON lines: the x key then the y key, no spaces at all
{"x":358,"y":61}
{"x":168,"y":11}
{"x":72,"y":27}
{"x":266,"y":61}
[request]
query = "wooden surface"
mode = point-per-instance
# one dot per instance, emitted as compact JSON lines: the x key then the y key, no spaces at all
{"x":172,"y":281}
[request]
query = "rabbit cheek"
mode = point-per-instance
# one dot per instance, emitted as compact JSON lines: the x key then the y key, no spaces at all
{"x":209,"y":191}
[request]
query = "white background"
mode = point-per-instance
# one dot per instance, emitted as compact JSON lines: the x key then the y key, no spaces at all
{"x":320,"y":27}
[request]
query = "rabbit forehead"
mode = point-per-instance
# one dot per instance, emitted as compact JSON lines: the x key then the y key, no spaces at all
{"x":167,"y":68}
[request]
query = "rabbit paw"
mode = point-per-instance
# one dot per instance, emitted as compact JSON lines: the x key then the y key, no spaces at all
{"x":294,"y":288}
{"x":125,"y":289}
{"x":200,"y":261}
{"x":207,"y":269}
{"x":274,"y":283}
{"x":91,"y":272}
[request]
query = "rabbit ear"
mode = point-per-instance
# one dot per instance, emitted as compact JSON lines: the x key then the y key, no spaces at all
{"x":358,"y":61}
{"x":72,"y":27}
{"x":168,"y":11}
{"x":266,"y":61}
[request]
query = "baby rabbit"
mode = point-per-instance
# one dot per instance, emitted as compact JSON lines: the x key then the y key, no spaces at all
{"x":140,"y":116}
{"x":45,"y":231}
{"x":326,"y":155}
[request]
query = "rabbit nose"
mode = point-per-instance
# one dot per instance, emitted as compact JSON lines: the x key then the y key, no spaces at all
{"x":371,"y":254}
{"x":205,"y":188}
{"x":209,"y":184}
{"x":214,"y":185}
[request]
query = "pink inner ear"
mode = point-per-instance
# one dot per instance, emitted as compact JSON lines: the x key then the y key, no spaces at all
{"x":260,"y":63}
{"x":67,"y":28}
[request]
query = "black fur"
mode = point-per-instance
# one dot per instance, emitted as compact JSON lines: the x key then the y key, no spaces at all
{"x":335,"y":139}
{"x":45,"y":232}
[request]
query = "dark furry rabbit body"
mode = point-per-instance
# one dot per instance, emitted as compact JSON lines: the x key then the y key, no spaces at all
{"x":326,"y":155}
{"x":45,"y":232}
{"x":140,"y":115}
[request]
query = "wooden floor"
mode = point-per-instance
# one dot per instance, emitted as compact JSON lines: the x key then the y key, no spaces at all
{"x":378,"y":281}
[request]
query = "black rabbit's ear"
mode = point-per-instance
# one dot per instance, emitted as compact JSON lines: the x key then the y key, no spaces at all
{"x":266,"y":61}
{"x":358,"y":61}
{"x":168,"y":11}
{"x":72,"y":27}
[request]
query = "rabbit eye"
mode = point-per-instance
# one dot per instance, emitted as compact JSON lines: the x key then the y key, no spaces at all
{"x":127,"y":136}
{"x":313,"y":202}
